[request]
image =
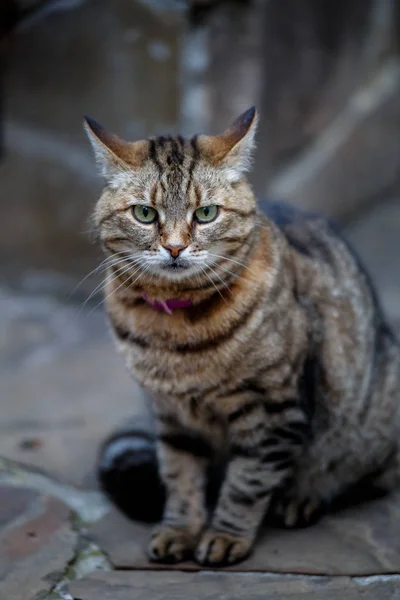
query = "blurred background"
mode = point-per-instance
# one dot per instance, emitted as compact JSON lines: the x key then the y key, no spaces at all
{"x":325,"y":77}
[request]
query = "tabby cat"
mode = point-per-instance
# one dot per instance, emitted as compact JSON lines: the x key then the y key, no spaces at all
{"x":259,"y":339}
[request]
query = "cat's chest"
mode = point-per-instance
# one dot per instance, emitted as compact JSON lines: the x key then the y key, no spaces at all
{"x":169,"y":357}
{"x":180,"y":370}
{"x":178,"y":375}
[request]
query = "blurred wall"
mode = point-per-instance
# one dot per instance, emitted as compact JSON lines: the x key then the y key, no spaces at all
{"x":324,"y":75}
{"x":116,"y":61}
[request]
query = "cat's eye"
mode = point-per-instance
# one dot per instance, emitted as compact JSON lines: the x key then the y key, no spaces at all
{"x":144,"y":214}
{"x":206,"y":214}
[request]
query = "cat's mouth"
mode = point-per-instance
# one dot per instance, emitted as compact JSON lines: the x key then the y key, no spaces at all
{"x":176,"y":266}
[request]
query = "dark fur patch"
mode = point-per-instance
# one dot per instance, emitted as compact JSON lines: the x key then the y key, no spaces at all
{"x":244,"y":410}
{"x":238,"y":497}
{"x":285,"y":433}
{"x":276,"y":456}
{"x":228,"y":525}
{"x":245,"y":451}
{"x":131,"y":479}
{"x":247,"y":385}
{"x":192,"y":444}
{"x":122,"y":334}
{"x":267,"y":443}
{"x":284,"y":464}
{"x":263,"y":494}
{"x":127,"y":336}
{"x":153,"y":155}
{"x":280,"y":407}
{"x":308,"y":383}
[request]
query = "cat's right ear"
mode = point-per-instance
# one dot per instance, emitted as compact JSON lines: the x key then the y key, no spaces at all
{"x":232,"y":150}
{"x":115,"y":157}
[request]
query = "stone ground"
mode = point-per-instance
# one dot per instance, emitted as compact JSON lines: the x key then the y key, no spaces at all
{"x":63,"y":391}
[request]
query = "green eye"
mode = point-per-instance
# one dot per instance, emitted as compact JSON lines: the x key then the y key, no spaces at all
{"x":144,"y":214}
{"x":206,"y":214}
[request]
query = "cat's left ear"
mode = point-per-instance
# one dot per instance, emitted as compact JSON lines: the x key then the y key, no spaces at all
{"x":115,"y":157}
{"x":233,"y":149}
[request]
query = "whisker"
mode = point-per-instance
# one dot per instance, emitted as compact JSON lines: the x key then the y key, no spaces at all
{"x":233,"y":261}
{"x":262,"y":226}
{"x":218,"y":290}
{"x":114,"y":277}
{"x":115,"y":291}
{"x":236,"y":275}
{"x":221,"y":280}
{"x":102,"y":282}
{"x":86,"y":231}
{"x":95,"y":270}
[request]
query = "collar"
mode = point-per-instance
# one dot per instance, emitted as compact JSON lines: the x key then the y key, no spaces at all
{"x":167,"y":305}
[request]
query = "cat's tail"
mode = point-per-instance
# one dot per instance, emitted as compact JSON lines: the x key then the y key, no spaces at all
{"x":128,"y":474}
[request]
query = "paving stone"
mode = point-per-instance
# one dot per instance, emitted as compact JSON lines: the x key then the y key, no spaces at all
{"x":87,"y":505}
{"x":232,"y":586}
{"x":36,"y":541}
{"x":34,"y":330}
{"x":55,"y":415}
{"x":14,"y":502}
{"x":360,"y":541}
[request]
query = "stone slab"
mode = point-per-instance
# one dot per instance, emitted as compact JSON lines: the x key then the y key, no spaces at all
{"x":229,"y":586}
{"x":14,"y":502}
{"x":37,"y":541}
{"x":358,"y":541}
{"x":35,"y":330}
{"x":56,"y":412}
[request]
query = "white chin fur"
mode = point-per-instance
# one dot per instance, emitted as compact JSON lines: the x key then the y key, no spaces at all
{"x":178,"y":275}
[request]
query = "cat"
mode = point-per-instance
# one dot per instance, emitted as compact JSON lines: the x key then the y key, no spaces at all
{"x":258,"y":337}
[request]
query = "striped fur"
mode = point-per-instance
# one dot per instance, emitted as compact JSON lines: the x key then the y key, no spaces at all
{"x":282,"y":367}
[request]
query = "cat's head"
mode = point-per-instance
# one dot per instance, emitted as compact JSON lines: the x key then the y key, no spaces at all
{"x":176,"y":208}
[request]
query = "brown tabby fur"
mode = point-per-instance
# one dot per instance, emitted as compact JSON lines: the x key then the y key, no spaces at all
{"x":283,"y":366}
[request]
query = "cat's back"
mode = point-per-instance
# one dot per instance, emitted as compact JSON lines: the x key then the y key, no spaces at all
{"x":309,"y":233}
{"x":319,"y":240}
{"x":336,"y":289}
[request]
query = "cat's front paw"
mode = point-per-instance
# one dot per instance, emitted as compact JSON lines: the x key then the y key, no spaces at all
{"x":170,"y":545}
{"x":217,"y":549}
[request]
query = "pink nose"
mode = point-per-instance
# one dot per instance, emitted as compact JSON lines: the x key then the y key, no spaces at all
{"x":175,"y":249}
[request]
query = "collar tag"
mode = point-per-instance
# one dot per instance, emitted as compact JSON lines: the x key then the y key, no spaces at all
{"x":167,"y":305}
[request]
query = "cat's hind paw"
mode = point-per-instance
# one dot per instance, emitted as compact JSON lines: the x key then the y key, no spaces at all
{"x":294,"y":513}
{"x":217,"y":549}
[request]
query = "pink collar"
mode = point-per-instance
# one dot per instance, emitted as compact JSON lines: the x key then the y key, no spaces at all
{"x":167,"y":305}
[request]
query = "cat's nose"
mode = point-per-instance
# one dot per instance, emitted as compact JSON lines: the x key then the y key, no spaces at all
{"x":175,"y":249}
